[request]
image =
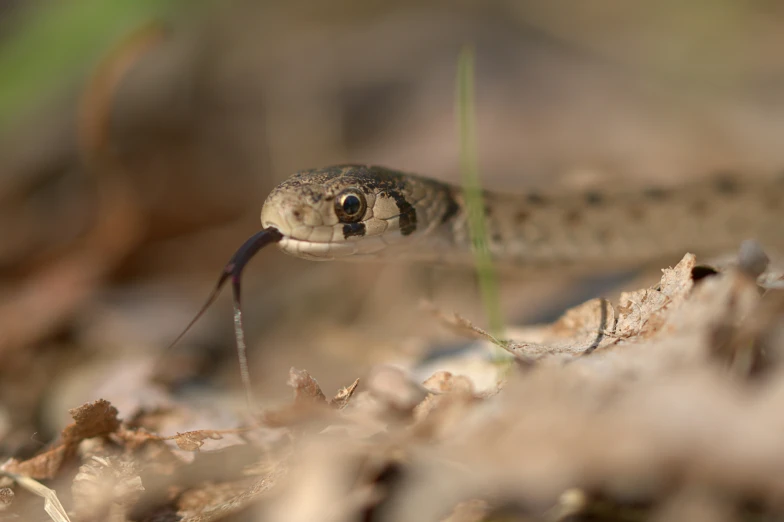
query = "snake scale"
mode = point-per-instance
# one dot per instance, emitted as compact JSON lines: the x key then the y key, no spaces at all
{"x":359,"y":212}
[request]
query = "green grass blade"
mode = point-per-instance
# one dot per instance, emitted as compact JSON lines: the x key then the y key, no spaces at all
{"x":472,"y":190}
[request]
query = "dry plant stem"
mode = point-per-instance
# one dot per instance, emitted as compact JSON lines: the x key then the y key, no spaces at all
{"x":242,"y":350}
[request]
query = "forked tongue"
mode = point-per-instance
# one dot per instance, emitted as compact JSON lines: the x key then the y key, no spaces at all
{"x":233,"y":270}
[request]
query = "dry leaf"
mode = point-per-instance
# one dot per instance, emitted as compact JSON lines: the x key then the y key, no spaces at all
{"x":305,"y":387}
{"x":343,"y":396}
{"x":193,"y":440}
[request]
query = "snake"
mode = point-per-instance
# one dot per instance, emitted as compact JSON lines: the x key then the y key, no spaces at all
{"x":366,"y":212}
{"x":358,"y":212}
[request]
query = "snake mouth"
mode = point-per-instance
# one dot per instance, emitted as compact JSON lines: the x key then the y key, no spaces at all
{"x":322,"y":242}
{"x":331,"y":250}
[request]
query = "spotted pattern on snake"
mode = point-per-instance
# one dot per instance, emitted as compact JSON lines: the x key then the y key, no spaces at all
{"x":409,"y":217}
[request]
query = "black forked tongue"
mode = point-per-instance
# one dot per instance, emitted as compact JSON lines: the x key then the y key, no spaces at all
{"x":233,"y":270}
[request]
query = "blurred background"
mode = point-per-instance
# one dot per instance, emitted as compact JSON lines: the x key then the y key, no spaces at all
{"x":138,"y":141}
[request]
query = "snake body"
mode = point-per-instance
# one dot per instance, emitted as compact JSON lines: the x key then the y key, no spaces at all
{"x":359,"y":212}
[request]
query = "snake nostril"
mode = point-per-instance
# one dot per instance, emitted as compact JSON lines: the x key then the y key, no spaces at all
{"x":297,"y":214}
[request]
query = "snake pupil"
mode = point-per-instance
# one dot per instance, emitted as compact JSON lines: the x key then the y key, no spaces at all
{"x":351,"y":205}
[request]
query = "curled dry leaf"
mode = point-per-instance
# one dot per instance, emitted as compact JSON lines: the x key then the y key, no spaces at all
{"x":641,"y":314}
{"x":310,"y":405}
{"x":343,"y":396}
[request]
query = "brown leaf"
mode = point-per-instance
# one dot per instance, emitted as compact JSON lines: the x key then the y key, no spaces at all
{"x":305,"y":387}
{"x":643,"y":313}
{"x":42,"y":466}
{"x":193,"y":440}
{"x":91,"y":420}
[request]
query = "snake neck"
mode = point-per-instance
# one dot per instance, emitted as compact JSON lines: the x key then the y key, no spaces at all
{"x":614,"y":228}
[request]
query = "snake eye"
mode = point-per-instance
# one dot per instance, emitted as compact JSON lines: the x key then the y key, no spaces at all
{"x":350,"y":206}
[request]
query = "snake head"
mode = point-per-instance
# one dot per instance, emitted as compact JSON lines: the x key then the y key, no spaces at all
{"x":351,"y":210}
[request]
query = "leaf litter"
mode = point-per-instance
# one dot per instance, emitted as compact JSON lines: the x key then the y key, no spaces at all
{"x":665,"y":405}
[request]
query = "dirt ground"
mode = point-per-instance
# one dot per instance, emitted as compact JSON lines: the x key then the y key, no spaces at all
{"x":378,"y":395}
